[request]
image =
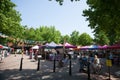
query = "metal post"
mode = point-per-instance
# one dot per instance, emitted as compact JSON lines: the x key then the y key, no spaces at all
{"x":88,"y":70}
{"x":38,"y":67}
{"x":109,"y":73}
{"x":15,"y":54}
{"x":70,"y":69}
{"x":21,"y":64}
{"x":54,"y":66}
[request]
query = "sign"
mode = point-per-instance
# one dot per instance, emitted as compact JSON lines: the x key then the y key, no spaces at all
{"x":109,"y":63}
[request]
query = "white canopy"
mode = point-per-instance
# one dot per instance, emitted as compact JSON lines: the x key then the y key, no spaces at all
{"x":35,"y":47}
{"x":52,"y":44}
{"x":5,"y":47}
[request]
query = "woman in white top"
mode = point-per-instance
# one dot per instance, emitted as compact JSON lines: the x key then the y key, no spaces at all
{"x":96,"y":63}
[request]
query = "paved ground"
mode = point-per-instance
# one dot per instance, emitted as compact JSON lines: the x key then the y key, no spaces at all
{"x":9,"y":70}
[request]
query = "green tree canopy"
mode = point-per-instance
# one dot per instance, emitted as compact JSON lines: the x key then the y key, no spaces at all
{"x":61,"y":1}
{"x":65,"y":38}
{"x":101,"y":38}
{"x":9,"y":19}
{"x":85,"y":39}
{"x":74,"y":37}
{"x":50,"y":34}
{"x":104,"y":15}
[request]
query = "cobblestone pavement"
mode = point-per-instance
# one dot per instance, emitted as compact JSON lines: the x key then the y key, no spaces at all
{"x":9,"y":70}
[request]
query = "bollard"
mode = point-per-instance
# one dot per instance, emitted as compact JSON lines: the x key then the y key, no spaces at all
{"x":109,"y":73}
{"x":70,"y":69}
{"x":54,"y":66}
{"x":88,"y":70}
{"x":38,"y":66}
{"x":21,"y":64}
{"x":15,"y":54}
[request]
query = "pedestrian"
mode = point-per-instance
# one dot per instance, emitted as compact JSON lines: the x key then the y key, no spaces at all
{"x":96,"y":64}
{"x":111,"y":57}
{"x":82,"y":62}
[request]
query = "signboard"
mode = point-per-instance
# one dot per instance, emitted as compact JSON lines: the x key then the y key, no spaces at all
{"x":109,"y":63}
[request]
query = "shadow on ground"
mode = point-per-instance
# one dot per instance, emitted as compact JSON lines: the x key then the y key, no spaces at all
{"x":30,"y":74}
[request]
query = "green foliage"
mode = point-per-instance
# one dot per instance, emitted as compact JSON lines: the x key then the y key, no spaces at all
{"x":74,"y":37}
{"x":61,"y":1}
{"x":31,"y":34}
{"x":9,"y":19}
{"x":85,"y":39}
{"x":104,"y":15}
{"x":101,"y":38}
{"x":10,"y":26}
{"x":65,"y":38}
{"x":48,"y":34}
{"x":3,"y":40}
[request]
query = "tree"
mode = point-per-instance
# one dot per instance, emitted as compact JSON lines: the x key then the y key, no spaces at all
{"x":101,"y":38}
{"x":65,"y":38}
{"x":104,"y":15}
{"x":31,"y":34}
{"x":85,"y":39}
{"x":74,"y":37}
{"x":61,"y":1}
{"x":49,"y":34}
{"x":9,"y":19}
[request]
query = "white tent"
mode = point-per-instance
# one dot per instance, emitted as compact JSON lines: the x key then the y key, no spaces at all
{"x":52,"y":44}
{"x":35,"y":47}
{"x":5,"y":47}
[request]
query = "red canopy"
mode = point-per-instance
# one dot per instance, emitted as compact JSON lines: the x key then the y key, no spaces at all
{"x":115,"y":46}
{"x":1,"y":46}
{"x":68,"y":45}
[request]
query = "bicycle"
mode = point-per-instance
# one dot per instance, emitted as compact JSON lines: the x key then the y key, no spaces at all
{"x":97,"y":69}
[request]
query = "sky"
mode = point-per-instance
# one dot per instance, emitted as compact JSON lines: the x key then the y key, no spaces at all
{"x":66,"y":18}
